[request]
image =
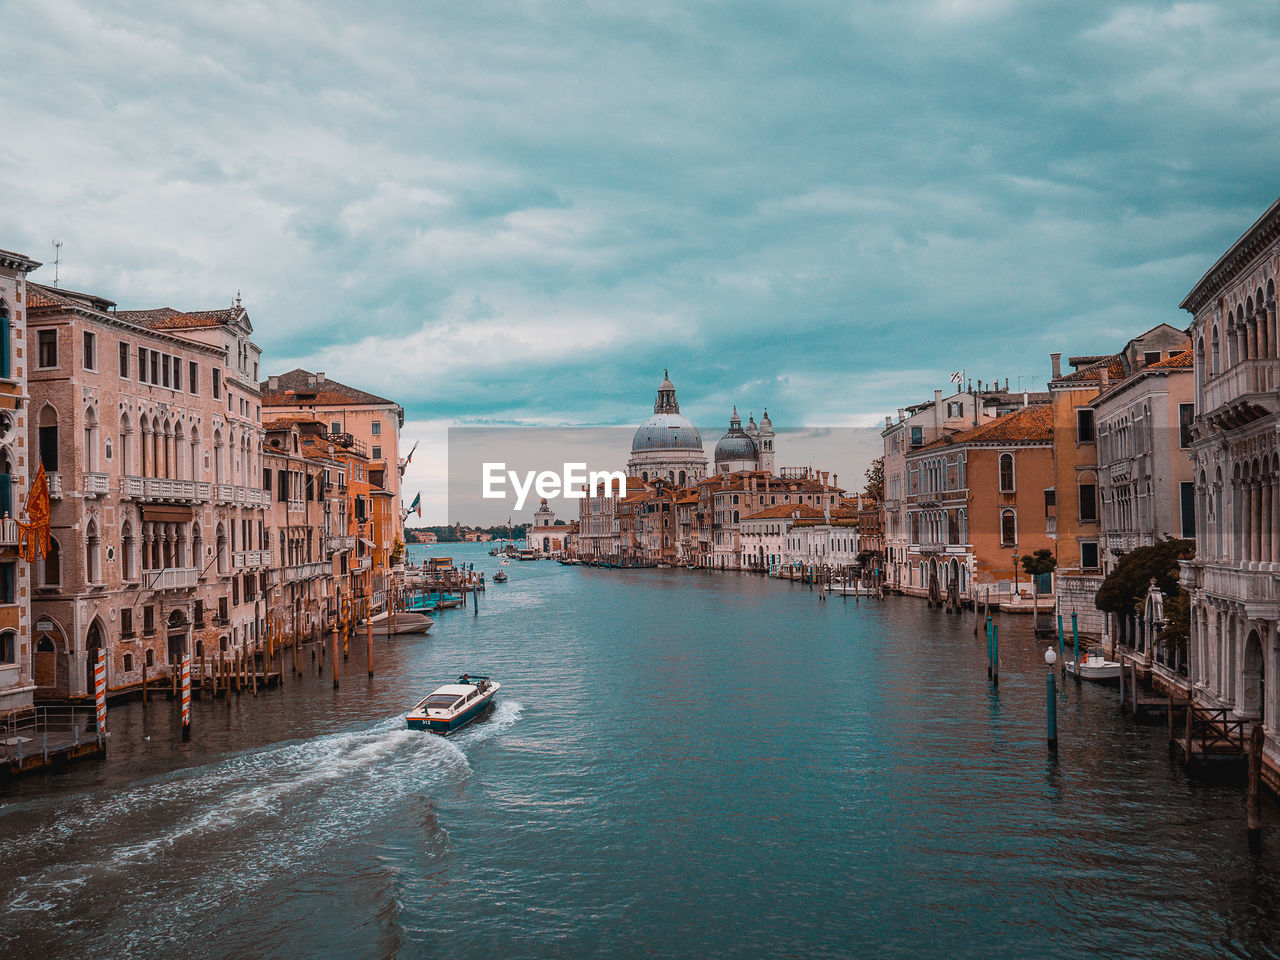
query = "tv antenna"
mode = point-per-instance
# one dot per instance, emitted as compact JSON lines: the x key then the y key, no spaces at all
{"x":57,"y":259}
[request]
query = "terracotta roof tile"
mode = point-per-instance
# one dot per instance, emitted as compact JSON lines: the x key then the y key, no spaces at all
{"x":301,"y":386}
{"x":783,"y":510}
{"x":167,"y":318}
{"x":1179,"y":361}
{"x":1114,"y":366}
{"x":1029,"y":424}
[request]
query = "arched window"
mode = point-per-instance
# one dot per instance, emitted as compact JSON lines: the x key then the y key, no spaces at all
{"x":49,"y":438}
{"x":6,"y":350}
{"x":1008,"y":528}
{"x":179,"y":453}
{"x":1217,"y":353}
{"x":6,"y":483}
{"x":8,"y":647}
{"x":93,"y":554}
{"x":195,"y":453}
{"x":128,"y":558}
{"x":1006,"y":473}
{"x":90,"y":452}
{"x":220,"y":543}
{"x":126,"y":440}
{"x":197,"y":547}
{"x":53,"y":564}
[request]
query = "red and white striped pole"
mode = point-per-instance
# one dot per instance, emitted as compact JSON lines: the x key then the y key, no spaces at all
{"x":186,"y":697}
{"x":100,"y":691}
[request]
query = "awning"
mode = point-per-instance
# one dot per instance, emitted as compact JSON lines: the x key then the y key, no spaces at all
{"x":165,"y":514}
{"x":368,"y":544}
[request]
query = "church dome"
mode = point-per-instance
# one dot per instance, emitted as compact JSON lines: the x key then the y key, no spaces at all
{"x":735,"y":445}
{"x":751,"y":429}
{"x":666,"y":431}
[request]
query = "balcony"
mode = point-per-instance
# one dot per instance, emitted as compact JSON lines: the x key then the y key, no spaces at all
{"x":297,"y":506}
{"x":362,"y":563}
{"x":55,"y":484}
{"x":172,"y":578}
{"x":232,"y":495}
{"x":163,"y":489}
{"x":1259,"y":590}
{"x":96,"y":484}
{"x":1242,"y":393}
{"x":338,"y":544}
{"x":8,"y":532}
{"x":304,"y":571}
{"x":250,"y":559}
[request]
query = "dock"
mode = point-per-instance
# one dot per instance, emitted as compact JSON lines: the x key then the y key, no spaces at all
{"x":49,"y":737}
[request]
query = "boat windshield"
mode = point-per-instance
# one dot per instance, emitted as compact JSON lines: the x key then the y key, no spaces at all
{"x":441,"y":700}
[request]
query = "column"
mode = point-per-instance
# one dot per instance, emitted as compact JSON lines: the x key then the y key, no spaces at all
{"x":1264,"y":522}
{"x":1275,"y":519}
{"x":1255,"y":520}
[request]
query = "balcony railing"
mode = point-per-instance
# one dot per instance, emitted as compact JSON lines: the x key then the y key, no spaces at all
{"x":249,"y":559}
{"x":55,"y":484}
{"x":305,"y":571}
{"x":1240,"y":380}
{"x":8,"y":532}
{"x":1248,"y":586}
{"x":229,"y":493}
{"x":338,"y":544}
{"x":163,"y":488}
{"x":172,"y":578}
{"x":96,"y":484}
{"x":362,"y":563}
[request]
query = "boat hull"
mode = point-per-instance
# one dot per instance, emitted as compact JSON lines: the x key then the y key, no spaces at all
{"x":442,"y":726}
{"x":1098,"y":674}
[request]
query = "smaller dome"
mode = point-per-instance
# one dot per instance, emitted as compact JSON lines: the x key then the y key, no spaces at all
{"x":739,"y":447}
{"x":766,"y":425}
{"x":751,"y":429}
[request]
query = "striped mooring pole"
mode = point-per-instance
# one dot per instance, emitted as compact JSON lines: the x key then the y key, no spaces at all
{"x":100,"y":691}
{"x":186,"y":697}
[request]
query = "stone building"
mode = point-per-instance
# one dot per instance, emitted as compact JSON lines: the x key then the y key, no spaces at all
{"x":306,"y":526}
{"x":667,"y":446}
{"x":152,"y":449}
{"x":746,"y":449}
{"x":915,"y":427}
{"x":1234,"y":653}
{"x":18,"y":657}
{"x":543,"y":536}
{"x":1077,"y":507}
{"x":975,"y":502}
{"x":763,"y":535}
{"x":366,"y":427}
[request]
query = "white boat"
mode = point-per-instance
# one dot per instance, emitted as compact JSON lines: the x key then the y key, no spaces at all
{"x":407,"y":621}
{"x":1094,"y":666}
{"x":454,"y":705}
{"x":500,"y":577}
{"x":505,"y":561}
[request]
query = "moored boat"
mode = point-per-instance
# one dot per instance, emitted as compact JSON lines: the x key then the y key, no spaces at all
{"x":454,"y":705}
{"x":500,"y":577}
{"x":406,"y":621}
{"x":1094,"y":666}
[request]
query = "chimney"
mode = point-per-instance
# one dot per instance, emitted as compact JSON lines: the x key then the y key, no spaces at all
{"x":273,"y":383}
{"x":311,"y":379}
{"x":320,"y":376}
{"x":1104,"y":379}
{"x":1026,"y":398}
{"x":888,"y":422}
{"x":937,"y":396}
{"x":1057,"y":364}
{"x":900,"y":411}
{"x":1006,"y":384}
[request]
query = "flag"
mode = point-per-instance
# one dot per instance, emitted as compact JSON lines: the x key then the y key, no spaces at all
{"x":34,"y":534}
{"x":409,"y":458}
{"x":957,"y":376}
{"x":416,"y":505}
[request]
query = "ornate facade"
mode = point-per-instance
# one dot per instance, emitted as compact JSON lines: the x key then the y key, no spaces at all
{"x":1235,"y":592}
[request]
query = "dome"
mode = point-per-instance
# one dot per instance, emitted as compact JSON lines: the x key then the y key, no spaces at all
{"x":751,"y":429}
{"x":666,"y":431}
{"x":735,"y":447}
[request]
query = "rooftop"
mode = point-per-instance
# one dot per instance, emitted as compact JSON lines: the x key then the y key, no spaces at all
{"x":299,"y":387}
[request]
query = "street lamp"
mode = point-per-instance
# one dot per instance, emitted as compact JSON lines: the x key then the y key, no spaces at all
{"x":1015,"y":578}
{"x":1051,"y":657}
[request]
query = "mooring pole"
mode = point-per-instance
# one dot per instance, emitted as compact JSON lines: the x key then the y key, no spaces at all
{"x":1075,"y":642}
{"x":1051,"y":688}
{"x":1255,"y":789}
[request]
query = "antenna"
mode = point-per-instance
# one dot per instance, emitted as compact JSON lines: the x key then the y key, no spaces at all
{"x":57,"y":259}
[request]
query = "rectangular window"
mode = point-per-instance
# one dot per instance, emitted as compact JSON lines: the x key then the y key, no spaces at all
{"x":217,"y":384}
{"x":193,"y":377}
{"x":377,"y":453}
{"x":126,"y":622}
{"x":223,"y":616}
{"x":164,"y":370}
{"x":142,"y":365}
{"x":1150,"y":357}
{"x":155,"y":368}
{"x":1186,"y":414}
{"x":376,"y":428}
{"x":148,"y":620}
{"x":177,"y":372}
{"x":1088,"y":503}
{"x":1088,"y":555}
{"x":917,"y":436}
{"x":8,"y":583}
{"x":198,"y":614}
{"x":124,"y":360}
{"x":335,"y":427}
{"x":1187,"y":490}
{"x":48,"y":348}
{"x":1084,"y":426}
{"x":1051,"y":503}
{"x":235,"y":591}
{"x":90,"y":351}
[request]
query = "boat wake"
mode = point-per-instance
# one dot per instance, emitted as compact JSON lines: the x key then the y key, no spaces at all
{"x":215,"y":833}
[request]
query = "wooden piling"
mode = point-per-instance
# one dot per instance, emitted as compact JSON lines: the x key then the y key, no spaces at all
{"x":253,"y":669}
{"x":335,"y":658}
{"x":144,"y":678}
{"x":1254,"y":801}
{"x":368,"y":636}
{"x":1186,"y":753}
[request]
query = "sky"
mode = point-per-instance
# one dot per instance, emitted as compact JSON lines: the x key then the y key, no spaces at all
{"x":521,"y":213}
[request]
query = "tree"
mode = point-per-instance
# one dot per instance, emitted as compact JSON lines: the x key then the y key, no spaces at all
{"x":1125,"y":588}
{"x":875,"y":479}
{"x":1037,"y":564}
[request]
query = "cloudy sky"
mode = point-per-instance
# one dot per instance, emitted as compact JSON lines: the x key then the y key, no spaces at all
{"x":522,"y":212}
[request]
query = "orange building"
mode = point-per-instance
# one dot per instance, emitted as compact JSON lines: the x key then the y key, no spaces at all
{"x":977,"y":501}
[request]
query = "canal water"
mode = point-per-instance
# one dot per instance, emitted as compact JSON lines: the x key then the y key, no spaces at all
{"x":681,"y":765}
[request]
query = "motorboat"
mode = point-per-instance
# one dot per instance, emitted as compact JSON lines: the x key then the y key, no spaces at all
{"x":500,"y":577}
{"x":1094,"y":666}
{"x":454,"y":705}
{"x":406,"y":621}
{"x":505,"y":561}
